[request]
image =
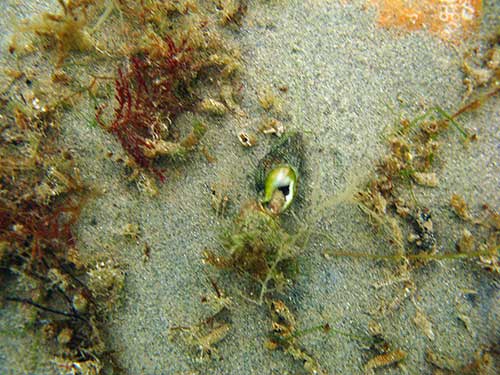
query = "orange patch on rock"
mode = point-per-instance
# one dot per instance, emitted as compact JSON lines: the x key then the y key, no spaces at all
{"x":451,"y":20}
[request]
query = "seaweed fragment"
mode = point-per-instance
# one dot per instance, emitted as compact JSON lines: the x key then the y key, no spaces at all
{"x":42,"y":194}
{"x":65,"y":31}
{"x":272,"y":126}
{"x":205,"y":335}
{"x":219,"y":199}
{"x":460,"y":207}
{"x":258,"y":248}
{"x":386,"y":359}
{"x":284,"y":336}
{"x":231,"y":11}
{"x":413,"y":159}
{"x":484,"y":362}
{"x":212,"y":107}
{"x":482,"y":69}
{"x":41,"y":199}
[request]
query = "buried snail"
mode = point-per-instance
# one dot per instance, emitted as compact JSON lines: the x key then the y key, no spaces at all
{"x":280,"y":188}
{"x":278,"y":173}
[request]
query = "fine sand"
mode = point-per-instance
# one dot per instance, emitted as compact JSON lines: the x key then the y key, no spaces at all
{"x":348,"y":82}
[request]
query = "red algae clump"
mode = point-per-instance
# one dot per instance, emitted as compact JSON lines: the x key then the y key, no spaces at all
{"x":149,"y":96}
{"x":164,"y":78}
